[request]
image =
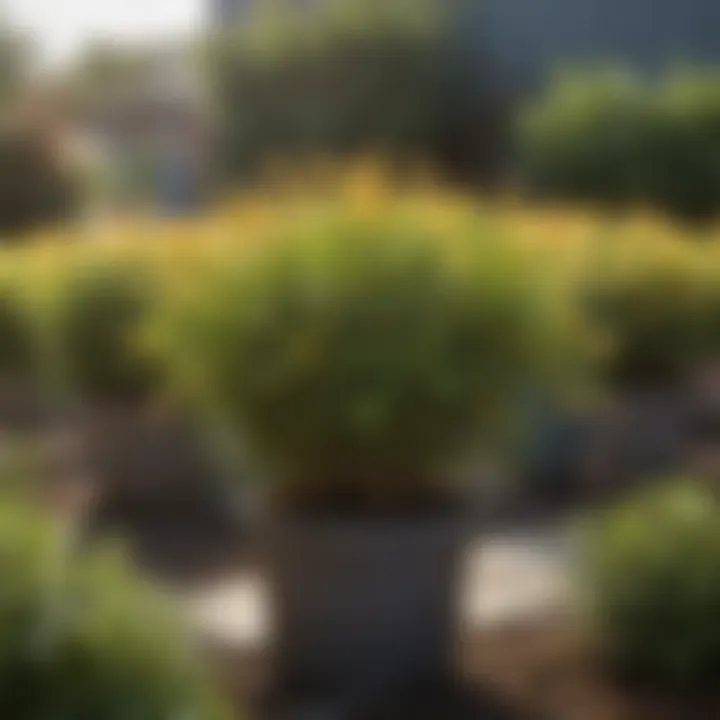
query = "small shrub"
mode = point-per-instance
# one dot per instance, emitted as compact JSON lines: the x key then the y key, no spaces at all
{"x":93,"y":330}
{"x":682,"y":145}
{"x":81,"y":638}
{"x":661,"y":313}
{"x":582,"y":139}
{"x":613,"y":139}
{"x":17,"y":351}
{"x":653,"y":573}
{"x":360,"y":358}
{"x":34,"y":189}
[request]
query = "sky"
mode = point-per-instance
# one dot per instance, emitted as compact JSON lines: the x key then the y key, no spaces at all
{"x":61,"y":27}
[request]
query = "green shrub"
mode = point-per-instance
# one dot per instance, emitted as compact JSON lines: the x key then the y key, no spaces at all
{"x":682,"y":145}
{"x":653,"y":573}
{"x":661,"y":314}
{"x":358,"y":78}
{"x":360,"y":358}
{"x":18,"y":357}
{"x":81,"y":639}
{"x":613,"y":139}
{"x":93,"y":328}
{"x":34,"y":189}
{"x":21,"y":387}
{"x":581,"y":140}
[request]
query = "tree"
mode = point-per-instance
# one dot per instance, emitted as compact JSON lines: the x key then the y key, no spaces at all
{"x":360,"y":77}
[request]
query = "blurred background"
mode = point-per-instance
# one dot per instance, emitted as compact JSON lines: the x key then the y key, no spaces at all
{"x":360,"y":359}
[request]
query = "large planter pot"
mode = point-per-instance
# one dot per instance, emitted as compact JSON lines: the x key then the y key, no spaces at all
{"x":365,"y":606}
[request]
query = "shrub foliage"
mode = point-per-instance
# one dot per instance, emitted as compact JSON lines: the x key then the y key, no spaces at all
{"x":360,"y":357}
{"x":34,"y":189}
{"x":610,"y":138}
{"x":81,"y":639}
{"x":660,"y":310}
{"x":344,"y":79}
{"x":92,"y":318}
{"x":653,"y":568}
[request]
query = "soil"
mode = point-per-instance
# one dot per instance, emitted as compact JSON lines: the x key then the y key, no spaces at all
{"x":546,"y":669}
{"x":538,"y":670}
{"x":542,"y":669}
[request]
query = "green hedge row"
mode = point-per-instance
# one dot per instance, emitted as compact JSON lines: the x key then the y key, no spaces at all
{"x":614,"y":139}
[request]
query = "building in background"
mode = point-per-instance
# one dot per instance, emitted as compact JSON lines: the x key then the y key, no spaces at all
{"x":147,"y":112}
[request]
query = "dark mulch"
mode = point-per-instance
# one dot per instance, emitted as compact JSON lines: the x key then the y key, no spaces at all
{"x":541,"y":670}
{"x":436,"y":703}
{"x":445,"y":703}
{"x":546,"y":669}
{"x":174,"y":544}
{"x":538,"y":670}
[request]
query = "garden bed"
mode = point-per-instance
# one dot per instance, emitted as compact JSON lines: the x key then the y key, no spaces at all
{"x":545,"y":669}
{"x":539,"y":669}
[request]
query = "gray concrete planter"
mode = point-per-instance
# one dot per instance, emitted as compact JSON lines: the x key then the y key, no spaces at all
{"x":362,"y":606}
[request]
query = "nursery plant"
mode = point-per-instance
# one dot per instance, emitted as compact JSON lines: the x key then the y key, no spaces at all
{"x":109,"y":386}
{"x":617,"y":139}
{"x":658,"y":305}
{"x":81,"y":637}
{"x":359,"y":359}
{"x":652,"y":579}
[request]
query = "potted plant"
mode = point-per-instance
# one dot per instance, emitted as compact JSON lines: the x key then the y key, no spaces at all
{"x":649,"y":597}
{"x":357,"y":361}
{"x":104,"y":643}
{"x":140,"y":451}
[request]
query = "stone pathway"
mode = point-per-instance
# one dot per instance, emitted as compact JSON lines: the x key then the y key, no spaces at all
{"x":510,"y":576}
{"x":514,"y":575}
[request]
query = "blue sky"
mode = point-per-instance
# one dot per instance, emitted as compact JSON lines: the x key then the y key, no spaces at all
{"x":60,"y":27}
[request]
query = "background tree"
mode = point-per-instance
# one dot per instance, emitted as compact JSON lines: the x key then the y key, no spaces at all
{"x":342,"y":78}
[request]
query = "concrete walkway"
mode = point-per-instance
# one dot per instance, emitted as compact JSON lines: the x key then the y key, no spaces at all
{"x":509,"y":576}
